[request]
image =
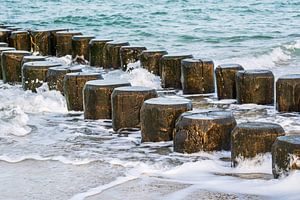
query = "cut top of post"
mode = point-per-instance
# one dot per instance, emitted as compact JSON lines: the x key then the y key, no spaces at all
{"x":107,"y":82}
{"x":167,"y":101}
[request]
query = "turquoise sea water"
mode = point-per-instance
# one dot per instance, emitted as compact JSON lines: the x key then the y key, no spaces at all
{"x":47,"y":152}
{"x":216,"y":29}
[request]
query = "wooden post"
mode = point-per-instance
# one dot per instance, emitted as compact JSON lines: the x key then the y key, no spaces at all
{"x":112,"y":54}
{"x":255,"y":86}
{"x":73,"y":88}
{"x":96,"y":51}
{"x":158,"y":116}
{"x":41,"y":42}
{"x":288,"y":93}
{"x":34,"y":74}
{"x":80,"y":46}
{"x":170,"y":66}
{"x":12,"y":65}
{"x":126,"y":105}
{"x":20,"y":40}
{"x":285,"y":155}
{"x":150,"y":60}
{"x":225,"y":78}
{"x":203,"y":131}
{"x":252,"y":138}
{"x":64,"y":42}
{"x":130,"y":54}
{"x":97,"y":97}
{"x":197,"y":76}
{"x":1,"y":50}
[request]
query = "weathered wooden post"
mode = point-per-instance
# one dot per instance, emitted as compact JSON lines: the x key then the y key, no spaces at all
{"x":150,"y":60}
{"x":111,"y":54}
{"x":4,"y":35}
{"x":203,"y":131}
{"x":20,"y":40}
{"x":1,"y":50}
{"x":41,"y":42}
{"x":80,"y":46}
{"x":126,"y":105}
{"x":53,"y":39}
{"x":158,"y":116}
{"x":225,"y":78}
{"x":252,"y":138}
{"x":285,"y":155}
{"x":288,"y":93}
{"x":56,"y":75}
{"x":97,"y":97}
{"x":64,"y":42}
{"x":73,"y":88}
{"x":197,"y":76}
{"x":130,"y":54}
{"x":170,"y":66}
{"x":34,"y":74}
{"x":255,"y":86}
{"x":96,"y":51}
{"x":12,"y":65}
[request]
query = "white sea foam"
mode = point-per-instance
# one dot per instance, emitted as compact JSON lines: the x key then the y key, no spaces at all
{"x":42,"y":101}
{"x":14,"y":121}
{"x":62,"y":159}
{"x":136,"y":76}
{"x":65,"y":60}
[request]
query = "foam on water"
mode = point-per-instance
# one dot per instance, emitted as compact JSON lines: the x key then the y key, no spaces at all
{"x":62,"y":159}
{"x":136,"y":76}
{"x":44,"y":100}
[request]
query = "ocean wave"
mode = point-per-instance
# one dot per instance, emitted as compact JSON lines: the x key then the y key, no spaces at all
{"x":277,"y":56}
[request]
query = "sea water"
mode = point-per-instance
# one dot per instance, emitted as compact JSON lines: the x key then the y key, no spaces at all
{"x":47,"y":152}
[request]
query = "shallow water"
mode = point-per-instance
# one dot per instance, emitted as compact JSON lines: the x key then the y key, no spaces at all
{"x":47,"y":152}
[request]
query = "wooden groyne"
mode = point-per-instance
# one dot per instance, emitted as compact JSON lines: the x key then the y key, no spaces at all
{"x":23,"y":60}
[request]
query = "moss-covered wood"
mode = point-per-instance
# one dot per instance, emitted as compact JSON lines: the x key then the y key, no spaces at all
{"x":150,"y":60}
{"x":126,"y":105}
{"x":158,"y":116}
{"x":96,"y":47}
{"x":252,"y":138}
{"x":80,"y":46}
{"x":56,"y":75}
{"x":20,"y":40}
{"x":73,"y":88}
{"x":64,"y":42}
{"x":255,"y":86}
{"x":197,"y":76}
{"x":203,"y":131}
{"x":1,"y":50}
{"x":130,"y":54}
{"x":111,"y":56}
{"x":41,"y":42}
{"x":285,"y":155}
{"x":288,"y":93}
{"x":225,"y":79}
{"x":97,"y":97}
{"x":12,"y":65}
{"x":170,"y":66}
{"x":5,"y":35}
{"x":34,"y":74}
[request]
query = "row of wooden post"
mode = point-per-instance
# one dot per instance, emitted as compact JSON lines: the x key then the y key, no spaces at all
{"x":159,"y":118}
